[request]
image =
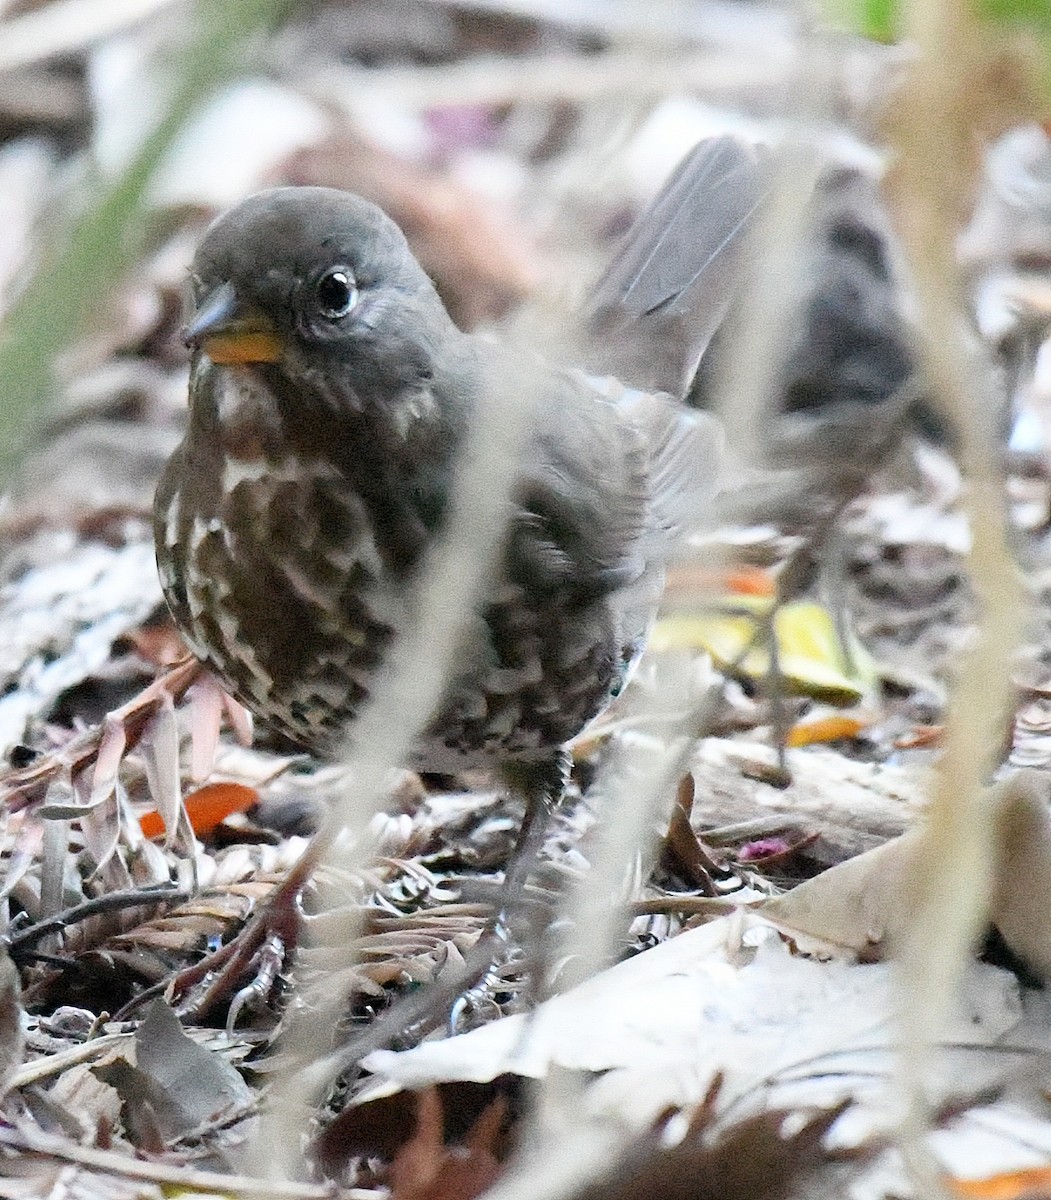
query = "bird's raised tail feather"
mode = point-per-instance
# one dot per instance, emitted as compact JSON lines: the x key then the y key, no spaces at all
{"x":654,"y":310}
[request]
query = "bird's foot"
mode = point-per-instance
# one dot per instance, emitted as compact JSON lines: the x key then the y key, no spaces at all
{"x":481,"y":1002}
{"x":257,"y":954}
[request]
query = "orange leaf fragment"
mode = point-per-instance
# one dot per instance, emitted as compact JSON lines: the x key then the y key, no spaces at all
{"x":702,"y":580}
{"x":151,"y":824}
{"x":750,"y":581}
{"x":826,"y":729}
{"x":1011,"y":1185}
{"x":207,"y":807}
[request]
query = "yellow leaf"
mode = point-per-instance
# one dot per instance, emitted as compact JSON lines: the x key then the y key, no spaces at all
{"x":813,"y":659}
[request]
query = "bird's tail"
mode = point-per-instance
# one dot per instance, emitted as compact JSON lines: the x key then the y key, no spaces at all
{"x":656,"y":307}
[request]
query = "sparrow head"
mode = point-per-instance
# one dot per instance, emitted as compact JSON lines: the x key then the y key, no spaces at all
{"x":310,"y":279}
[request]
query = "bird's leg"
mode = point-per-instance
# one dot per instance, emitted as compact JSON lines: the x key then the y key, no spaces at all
{"x":803,"y":564}
{"x":543,"y":784}
{"x":458,"y":992}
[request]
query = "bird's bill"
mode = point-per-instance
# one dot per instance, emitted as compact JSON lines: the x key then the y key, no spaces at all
{"x":242,"y":346}
{"x":228,"y":335}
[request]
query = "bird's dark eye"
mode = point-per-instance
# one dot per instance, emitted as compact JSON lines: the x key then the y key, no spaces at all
{"x":335,"y":293}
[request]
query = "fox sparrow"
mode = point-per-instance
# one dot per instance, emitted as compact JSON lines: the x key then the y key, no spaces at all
{"x":329,"y":394}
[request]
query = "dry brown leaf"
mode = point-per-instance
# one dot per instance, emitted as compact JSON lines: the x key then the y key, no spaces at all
{"x":752,"y":1160}
{"x":91,"y":1102}
{"x":850,"y":908}
{"x":182,"y":1084}
{"x":1022,"y":884}
{"x":854,"y":806}
{"x":376,"y":1129}
{"x":859,"y":906}
{"x":426,"y":1169}
{"x":471,"y":1118}
{"x":681,"y":850}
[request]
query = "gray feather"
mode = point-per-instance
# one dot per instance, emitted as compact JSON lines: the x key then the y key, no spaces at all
{"x":654,"y":311}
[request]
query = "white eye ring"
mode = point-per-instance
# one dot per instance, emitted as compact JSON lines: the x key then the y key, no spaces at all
{"x":335,"y":293}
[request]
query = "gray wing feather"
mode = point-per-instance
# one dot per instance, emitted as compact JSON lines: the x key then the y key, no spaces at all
{"x":685,"y":451}
{"x":613,"y":478}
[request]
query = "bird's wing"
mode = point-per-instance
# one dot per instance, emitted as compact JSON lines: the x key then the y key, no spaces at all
{"x":582,"y":500}
{"x":611,"y":476}
{"x":685,"y":455}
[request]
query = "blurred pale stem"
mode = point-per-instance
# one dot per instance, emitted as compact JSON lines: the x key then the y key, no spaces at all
{"x":421,"y":662}
{"x":561,"y":1150}
{"x":938,"y":162}
{"x":748,"y":387}
{"x":637,"y":784}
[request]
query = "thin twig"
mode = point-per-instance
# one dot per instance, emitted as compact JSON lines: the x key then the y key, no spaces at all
{"x":32,"y":1141}
{"x":114,"y":902}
